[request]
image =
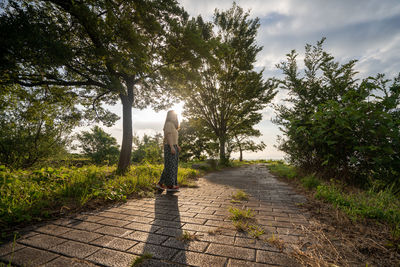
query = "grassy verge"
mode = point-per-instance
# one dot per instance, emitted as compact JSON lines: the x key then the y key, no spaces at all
{"x":381,"y":205}
{"x":34,"y":195}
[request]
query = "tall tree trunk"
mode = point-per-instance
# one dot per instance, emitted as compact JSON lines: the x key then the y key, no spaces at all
{"x":126,"y":147}
{"x":241,"y":153}
{"x":222,"y":156}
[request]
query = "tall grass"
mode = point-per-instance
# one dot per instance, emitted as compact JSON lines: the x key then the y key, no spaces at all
{"x":375,"y":203}
{"x":281,"y":169}
{"x":33,"y":195}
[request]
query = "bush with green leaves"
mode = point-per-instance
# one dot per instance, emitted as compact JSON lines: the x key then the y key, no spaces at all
{"x":35,"y":124}
{"x":337,"y":126}
{"x":99,"y":146}
{"x":148,"y":149}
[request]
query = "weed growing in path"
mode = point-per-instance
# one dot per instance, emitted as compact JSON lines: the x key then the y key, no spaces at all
{"x":238,"y":214}
{"x":244,"y":221}
{"x":186,"y":237}
{"x":139,"y":260}
{"x":276,"y":242}
{"x":240,"y":195}
{"x":255,"y":231}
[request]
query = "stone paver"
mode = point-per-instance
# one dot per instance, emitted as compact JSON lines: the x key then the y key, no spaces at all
{"x":117,"y":235}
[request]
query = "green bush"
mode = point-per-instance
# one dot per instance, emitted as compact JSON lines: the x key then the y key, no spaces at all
{"x":339,"y":127}
{"x":148,"y":149}
{"x":310,"y":182}
{"x":99,"y":146}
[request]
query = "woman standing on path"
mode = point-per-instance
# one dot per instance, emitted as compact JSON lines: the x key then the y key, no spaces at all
{"x":169,"y":176}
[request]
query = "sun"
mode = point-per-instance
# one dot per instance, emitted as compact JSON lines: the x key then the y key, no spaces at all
{"x":178,"y":108}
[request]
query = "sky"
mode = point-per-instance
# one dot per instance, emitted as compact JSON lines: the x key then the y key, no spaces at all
{"x":365,"y":30}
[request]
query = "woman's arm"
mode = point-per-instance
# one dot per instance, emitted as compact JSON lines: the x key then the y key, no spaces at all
{"x":170,"y":141}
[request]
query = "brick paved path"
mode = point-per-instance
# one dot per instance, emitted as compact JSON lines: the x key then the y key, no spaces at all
{"x":115,"y":236}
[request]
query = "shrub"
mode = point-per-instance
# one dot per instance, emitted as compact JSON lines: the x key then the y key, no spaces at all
{"x":99,"y":146}
{"x":337,"y":127}
{"x":148,"y":149}
{"x":310,"y":182}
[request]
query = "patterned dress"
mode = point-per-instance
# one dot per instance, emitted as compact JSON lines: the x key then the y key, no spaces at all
{"x":169,"y":176}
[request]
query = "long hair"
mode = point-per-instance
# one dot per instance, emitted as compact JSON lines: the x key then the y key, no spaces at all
{"x":172,"y":117}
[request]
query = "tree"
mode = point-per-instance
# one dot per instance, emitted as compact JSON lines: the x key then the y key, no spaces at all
{"x":103,"y":50}
{"x":336,"y":126}
{"x":148,"y":148}
{"x":99,"y":146}
{"x":242,"y":141}
{"x":35,"y":124}
{"x":194,"y":141}
{"x":225,"y":94}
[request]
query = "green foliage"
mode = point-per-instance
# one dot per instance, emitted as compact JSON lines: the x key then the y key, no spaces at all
{"x":337,"y":127}
{"x":141,"y":259}
{"x":104,"y":51}
{"x":99,"y":146}
{"x":148,"y":149}
{"x":186,"y":237}
{"x":194,"y":142}
{"x":382,"y":205}
{"x":35,"y":124}
{"x":240,"y":215}
{"x":282,"y":170}
{"x":240,"y":195}
{"x":255,"y":231}
{"x":244,"y":221}
{"x":310,"y":181}
{"x":224,"y":95}
{"x":32,"y":195}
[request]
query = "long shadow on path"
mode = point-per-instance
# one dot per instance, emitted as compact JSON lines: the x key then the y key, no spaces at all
{"x":162,"y":242}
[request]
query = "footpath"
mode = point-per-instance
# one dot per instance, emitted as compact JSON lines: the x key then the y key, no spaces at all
{"x":118,"y":234}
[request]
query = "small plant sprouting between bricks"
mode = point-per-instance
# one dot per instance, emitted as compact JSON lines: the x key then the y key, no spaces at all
{"x":186,"y":237}
{"x":216,"y":231}
{"x":275,"y":241}
{"x":244,"y":221}
{"x":239,"y":196}
{"x":139,"y":260}
{"x":255,"y":231}
{"x":238,"y":214}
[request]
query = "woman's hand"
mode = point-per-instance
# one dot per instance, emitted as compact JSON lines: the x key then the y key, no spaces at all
{"x":173,"y":152}
{"x":179,"y":149}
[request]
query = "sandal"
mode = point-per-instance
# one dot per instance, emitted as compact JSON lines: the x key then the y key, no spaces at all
{"x":160,"y":186}
{"x":173,"y":188}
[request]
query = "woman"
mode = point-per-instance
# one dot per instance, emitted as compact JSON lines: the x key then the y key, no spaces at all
{"x":169,"y":176}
